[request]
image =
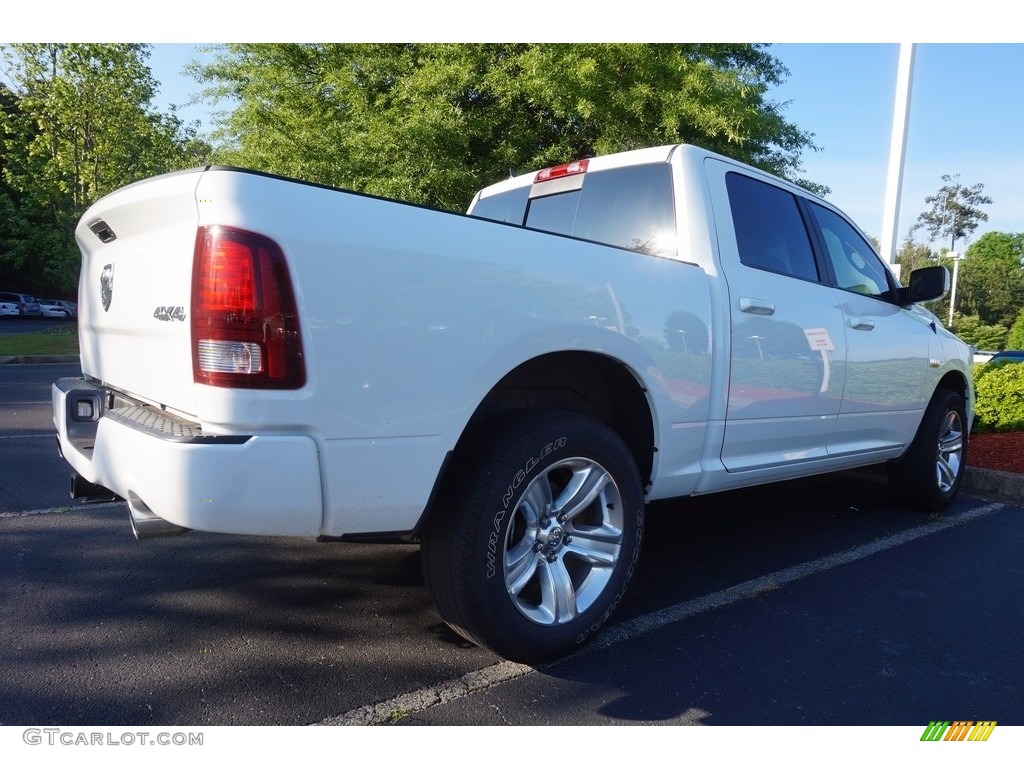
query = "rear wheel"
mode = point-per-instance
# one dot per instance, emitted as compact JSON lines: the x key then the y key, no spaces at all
{"x":535,"y":542}
{"x":928,"y":476}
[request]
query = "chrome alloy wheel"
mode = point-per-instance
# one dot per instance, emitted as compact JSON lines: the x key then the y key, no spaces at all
{"x":950,"y":451}
{"x":564,"y":541}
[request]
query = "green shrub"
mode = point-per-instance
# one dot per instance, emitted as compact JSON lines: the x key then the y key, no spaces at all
{"x":999,"y":388}
{"x":1016,"y":338}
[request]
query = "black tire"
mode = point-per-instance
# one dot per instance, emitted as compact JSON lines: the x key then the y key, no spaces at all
{"x":928,"y":475}
{"x":537,"y":536}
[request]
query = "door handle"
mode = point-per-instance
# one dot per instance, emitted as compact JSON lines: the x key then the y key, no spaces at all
{"x":862,"y":324}
{"x":756,"y":306}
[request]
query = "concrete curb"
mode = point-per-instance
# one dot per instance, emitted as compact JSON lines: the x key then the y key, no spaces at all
{"x":991,"y":482}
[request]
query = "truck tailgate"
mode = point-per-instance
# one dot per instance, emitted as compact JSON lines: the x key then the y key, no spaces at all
{"x":137,"y":248}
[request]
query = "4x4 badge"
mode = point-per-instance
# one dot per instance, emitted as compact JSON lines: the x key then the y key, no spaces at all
{"x":169,"y":313}
{"x":107,"y":286}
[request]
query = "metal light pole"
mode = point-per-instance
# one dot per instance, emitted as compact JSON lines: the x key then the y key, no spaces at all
{"x":957,"y":258}
{"x":954,"y":255}
{"x":897,"y":154}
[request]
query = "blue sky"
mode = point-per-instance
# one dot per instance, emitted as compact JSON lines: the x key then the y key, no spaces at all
{"x":966,"y":116}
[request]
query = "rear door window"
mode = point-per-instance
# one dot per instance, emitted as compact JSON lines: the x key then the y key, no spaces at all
{"x":770,"y":231}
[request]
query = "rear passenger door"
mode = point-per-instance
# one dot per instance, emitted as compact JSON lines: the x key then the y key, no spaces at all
{"x":787,"y":336}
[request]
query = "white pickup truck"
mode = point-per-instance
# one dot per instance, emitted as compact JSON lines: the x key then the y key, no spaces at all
{"x":268,"y":357}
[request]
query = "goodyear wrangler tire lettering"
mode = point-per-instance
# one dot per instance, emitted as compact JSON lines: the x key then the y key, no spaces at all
{"x":545,"y":569}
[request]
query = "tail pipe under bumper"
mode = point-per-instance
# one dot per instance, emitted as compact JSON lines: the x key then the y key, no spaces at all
{"x":147,"y":525}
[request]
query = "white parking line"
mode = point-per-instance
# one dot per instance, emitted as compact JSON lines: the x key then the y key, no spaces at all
{"x":478,"y":680}
{"x":51,"y":435}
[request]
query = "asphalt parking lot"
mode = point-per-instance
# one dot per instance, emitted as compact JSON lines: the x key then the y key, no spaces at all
{"x":809,"y":603}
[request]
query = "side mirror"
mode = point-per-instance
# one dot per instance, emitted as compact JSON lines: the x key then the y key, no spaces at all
{"x":926,"y":284}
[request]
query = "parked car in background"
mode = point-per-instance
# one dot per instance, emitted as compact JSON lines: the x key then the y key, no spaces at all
{"x":1008,"y":356}
{"x":58,"y":308}
{"x":8,"y":308}
{"x":50,"y":308}
{"x":26,"y":305}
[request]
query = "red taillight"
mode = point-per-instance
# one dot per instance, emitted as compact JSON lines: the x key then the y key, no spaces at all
{"x":226,"y":280}
{"x":245,"y":329}
{"x":566,"y":169}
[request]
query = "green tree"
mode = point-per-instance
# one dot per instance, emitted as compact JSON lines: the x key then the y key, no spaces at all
{"x":913,"y":256}
{"x":432,"y":123}
{"x":991,"y":280}
{"x":78,"y":123}
{"x":955,"y":211}
{"x":972,"y":330}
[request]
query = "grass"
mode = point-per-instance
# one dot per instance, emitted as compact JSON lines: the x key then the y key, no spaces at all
{"x":54,"y":341}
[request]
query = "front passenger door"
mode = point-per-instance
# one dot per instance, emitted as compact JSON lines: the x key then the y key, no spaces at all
{"x":889,"y":347}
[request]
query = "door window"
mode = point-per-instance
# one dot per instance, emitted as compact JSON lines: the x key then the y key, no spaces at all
{"x":856,"y":266}
{"x":770,"y":232}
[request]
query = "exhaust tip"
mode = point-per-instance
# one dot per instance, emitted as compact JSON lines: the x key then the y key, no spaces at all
{"x":146,"y":524}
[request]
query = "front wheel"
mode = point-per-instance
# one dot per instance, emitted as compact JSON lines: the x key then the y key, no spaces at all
{"x":928,"y":476}
{"x":536,"y":540}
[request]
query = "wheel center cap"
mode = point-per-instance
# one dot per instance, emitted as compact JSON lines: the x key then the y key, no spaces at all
{"x":554,"y":539}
